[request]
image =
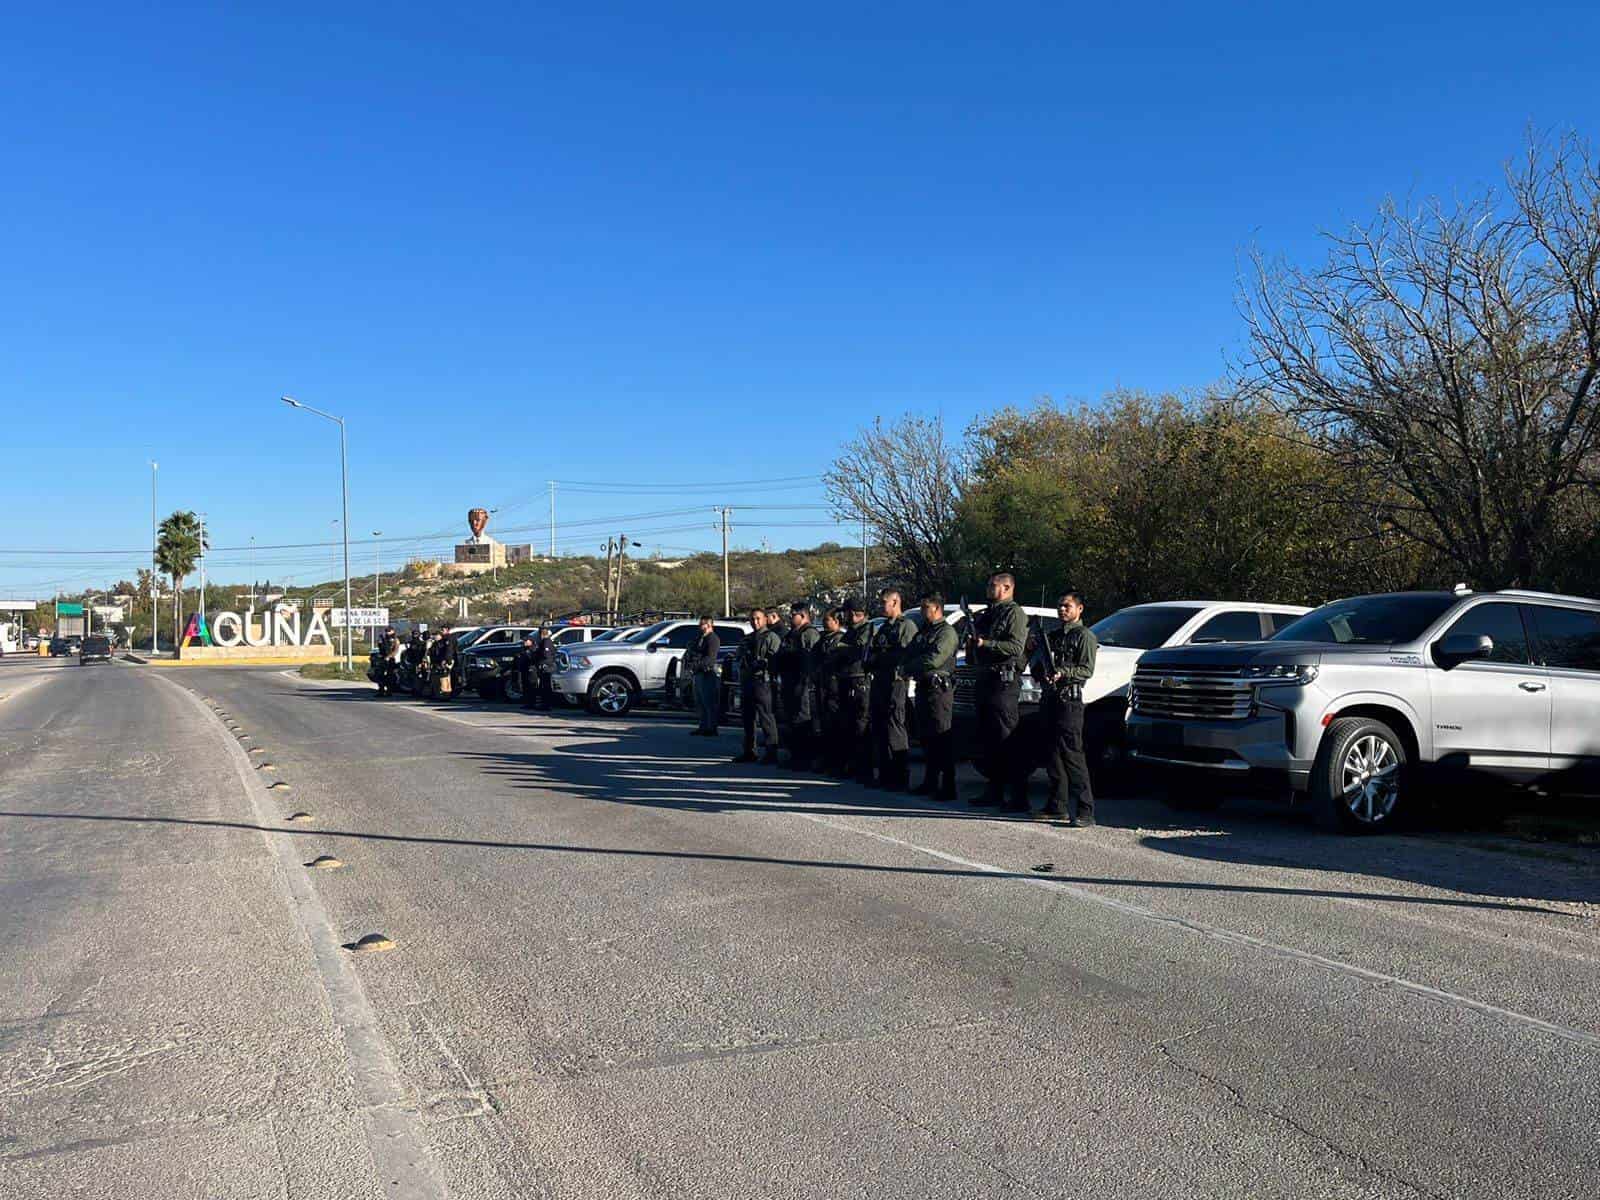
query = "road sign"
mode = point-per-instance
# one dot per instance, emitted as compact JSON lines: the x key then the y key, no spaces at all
{"x":68,"y":610}
{"x":360,"y":618}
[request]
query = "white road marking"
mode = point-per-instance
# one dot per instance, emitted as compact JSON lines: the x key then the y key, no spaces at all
{"x":1155,"y":916}
{"x":400,"y":1154}
{"x":1217,"y":933}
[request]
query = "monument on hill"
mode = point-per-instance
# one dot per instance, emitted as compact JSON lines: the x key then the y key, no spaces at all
{"x":480,"y":552}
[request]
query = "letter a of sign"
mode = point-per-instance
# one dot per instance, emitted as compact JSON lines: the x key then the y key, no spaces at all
{"x":196,"y":629}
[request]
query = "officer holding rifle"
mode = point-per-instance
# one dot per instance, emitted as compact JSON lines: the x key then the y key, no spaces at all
{"x":930,"y":660}
{"x":1063,"y":664}
{"x":998,"y":649}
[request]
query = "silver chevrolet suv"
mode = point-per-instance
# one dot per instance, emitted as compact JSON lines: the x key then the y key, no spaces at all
{"x":1345,"y":704}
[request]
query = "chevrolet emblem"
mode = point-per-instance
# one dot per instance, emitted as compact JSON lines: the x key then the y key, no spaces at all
{"x":1168,"y":681}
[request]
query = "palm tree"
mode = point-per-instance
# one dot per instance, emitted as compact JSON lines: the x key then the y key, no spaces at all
{"x":178,"y":548}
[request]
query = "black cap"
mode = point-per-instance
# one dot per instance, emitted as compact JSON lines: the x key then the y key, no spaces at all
{"x":852,"y":604}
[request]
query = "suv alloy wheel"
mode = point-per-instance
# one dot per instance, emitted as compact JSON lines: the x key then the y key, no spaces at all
{"x":1360,"y":776}
{"x":611,"y":695}
{"x":511,"y":686}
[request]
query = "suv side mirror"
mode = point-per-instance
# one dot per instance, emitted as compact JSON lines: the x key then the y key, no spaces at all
{"x":1457,"y":648}
{"x":653,"y":647}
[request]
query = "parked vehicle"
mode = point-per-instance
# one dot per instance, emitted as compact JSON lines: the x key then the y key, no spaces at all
{"x":1124,"y":636}
{"x":60,"y":647}
{"x":94,"y":648}
{"x":1348,"y":705}
{"x":612,"y":677}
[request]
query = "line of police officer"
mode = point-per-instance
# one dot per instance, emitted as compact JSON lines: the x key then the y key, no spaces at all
{"x":843,"y":695}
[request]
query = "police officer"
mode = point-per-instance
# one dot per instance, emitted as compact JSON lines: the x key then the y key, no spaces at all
{"x":825,"y":661}
{"x":855,"y":714}
{"x":444,"y":664}
{"x":545,"y":665}
{"x":930,"y":659}
{"x":416,"y":651}
{"x":755,"y":688}
{"x":1065,"y":662}
{"x":388,"y":662}
{"x":887,"y":696}
{"x":998,"y":651}
{"x":700,"y":661}
{"x":796,"y":686}
{"x":527,"y":667}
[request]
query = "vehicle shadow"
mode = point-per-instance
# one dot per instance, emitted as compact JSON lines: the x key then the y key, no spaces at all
{"x":656,"y":765}
{"x":1475,"y":864}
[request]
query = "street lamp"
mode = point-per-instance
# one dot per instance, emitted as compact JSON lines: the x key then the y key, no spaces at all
{"x":344,"y":526}
{"x":377,"y":567}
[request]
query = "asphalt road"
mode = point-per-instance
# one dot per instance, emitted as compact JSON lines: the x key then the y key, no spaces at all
{"x":624,"y":966}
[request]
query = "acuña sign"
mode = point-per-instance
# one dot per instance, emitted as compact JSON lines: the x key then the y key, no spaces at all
{"x":275,"y":627}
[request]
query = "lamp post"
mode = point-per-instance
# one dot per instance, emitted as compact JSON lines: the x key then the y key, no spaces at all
{"x":154,"y":623}
{"x":377,"y":568}
{"x":344,"y":526}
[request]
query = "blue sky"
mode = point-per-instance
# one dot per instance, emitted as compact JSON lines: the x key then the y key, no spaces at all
{"x":658,"y":244}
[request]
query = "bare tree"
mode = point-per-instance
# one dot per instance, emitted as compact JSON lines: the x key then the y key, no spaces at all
{"x":1447,"y":358}
{"x":907,"y":479}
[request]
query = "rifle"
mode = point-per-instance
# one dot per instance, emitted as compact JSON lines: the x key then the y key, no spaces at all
{"x":965,"y":644}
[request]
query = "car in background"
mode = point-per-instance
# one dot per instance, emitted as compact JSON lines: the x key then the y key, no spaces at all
{"x":1349,"y":705}
{"x":611,"y":678}
{"x":60,"y":647}
{"x":1124,"y":636}
{"x":488,"y":665}
{"x":94,"y":648}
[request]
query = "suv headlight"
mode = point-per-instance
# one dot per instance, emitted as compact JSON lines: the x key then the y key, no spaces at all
{"x":1294,"y":674}
{"x":581,"y":661}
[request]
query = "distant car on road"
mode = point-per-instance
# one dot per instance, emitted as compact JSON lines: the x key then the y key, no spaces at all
{"x":95,"y":648}
{"x":59,"y":647}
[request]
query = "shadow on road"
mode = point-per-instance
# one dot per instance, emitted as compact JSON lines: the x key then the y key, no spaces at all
{"x":808,"y":863}
{"x":656,"y":765}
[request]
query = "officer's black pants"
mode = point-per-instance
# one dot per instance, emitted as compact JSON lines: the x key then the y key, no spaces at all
{"x":547,"y":691}
{"x":756,"y":701}
{"x":1067,"y":764}
{"x":935,"y":709}
{"x":890,"y":740}
{"x":527,"y":678}
{"x":855,"y":727}
{"x":798,"y":721}
{"x":1004,"y":758}
{"x":708,"y":699}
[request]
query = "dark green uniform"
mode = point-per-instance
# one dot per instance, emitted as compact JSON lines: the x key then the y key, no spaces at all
{"x":887,"y":701}
{"x":855,"y":747}
{"x":1064,"y":664}
{"x":755,"y":686}
{"x":998,"y":663}
{"x":826,"y":662}
{"x":930,"y":660}
{"x":797,"y":691}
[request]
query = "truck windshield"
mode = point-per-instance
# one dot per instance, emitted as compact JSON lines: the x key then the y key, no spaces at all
{"x":1369,"y":620}
{"x":650,"y":631}
{"x":1141,"y":628}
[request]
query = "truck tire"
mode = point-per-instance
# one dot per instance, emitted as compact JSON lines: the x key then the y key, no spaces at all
{"x":612,"y":695}
{"x":510,"y":688}
{"x":1360,"y":777}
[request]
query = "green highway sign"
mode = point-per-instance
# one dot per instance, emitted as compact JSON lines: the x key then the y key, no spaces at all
{"x":69,"y":610}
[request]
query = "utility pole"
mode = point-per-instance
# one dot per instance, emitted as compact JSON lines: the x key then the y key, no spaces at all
{"x":552,"y":484}
{"x":727,"y":595}
{"x":377,"y":567}
{"x":622,"y":553}
{"x":610,"y":546}
{"x":863,"y":558}
{"x":202,"y":517}
{"x":154,"y":623}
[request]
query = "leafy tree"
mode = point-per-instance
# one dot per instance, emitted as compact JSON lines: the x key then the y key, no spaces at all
{"x":1445,"y":358}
